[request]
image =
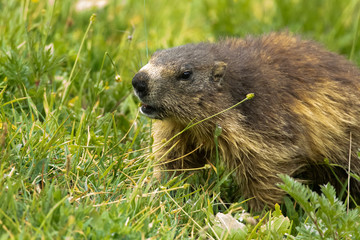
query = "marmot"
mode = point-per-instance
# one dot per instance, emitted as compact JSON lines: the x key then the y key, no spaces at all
{"x":306,"y":105}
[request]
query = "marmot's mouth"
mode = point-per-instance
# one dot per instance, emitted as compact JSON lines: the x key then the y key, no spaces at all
{"x":149,"y":111}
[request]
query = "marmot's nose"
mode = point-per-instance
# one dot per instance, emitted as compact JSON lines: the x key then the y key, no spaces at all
{"x":140,"y":84}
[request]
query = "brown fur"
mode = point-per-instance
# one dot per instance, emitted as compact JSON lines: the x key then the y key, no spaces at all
{"x":306,"y":105}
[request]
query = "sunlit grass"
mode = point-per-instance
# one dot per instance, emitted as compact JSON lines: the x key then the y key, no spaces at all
{"x":75,"y":155}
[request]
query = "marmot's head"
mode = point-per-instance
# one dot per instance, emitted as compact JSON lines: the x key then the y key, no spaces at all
{"x":181,"y":83}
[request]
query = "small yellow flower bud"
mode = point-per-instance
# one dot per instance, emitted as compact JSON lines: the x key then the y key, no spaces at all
{"x":250,"y":95}
{"x":118,"y":78}
{"x":207,"y":166}
{"x":93,"y":18}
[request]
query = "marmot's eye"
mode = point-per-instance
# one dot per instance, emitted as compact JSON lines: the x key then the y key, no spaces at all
{"x":186,"y":75}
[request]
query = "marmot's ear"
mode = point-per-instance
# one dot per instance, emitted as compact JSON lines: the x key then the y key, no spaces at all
{"x":218,"y":72}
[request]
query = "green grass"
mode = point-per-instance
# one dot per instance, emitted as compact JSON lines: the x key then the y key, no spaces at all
{"x":75,"y":155}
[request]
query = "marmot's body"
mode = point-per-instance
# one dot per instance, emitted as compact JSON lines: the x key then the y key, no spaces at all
{"x":306,"y":105}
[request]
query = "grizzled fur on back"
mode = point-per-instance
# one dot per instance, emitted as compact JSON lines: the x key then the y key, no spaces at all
{"x":306,"y":105}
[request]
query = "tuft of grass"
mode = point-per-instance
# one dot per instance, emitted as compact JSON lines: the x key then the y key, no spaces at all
{"x":75,"y":155}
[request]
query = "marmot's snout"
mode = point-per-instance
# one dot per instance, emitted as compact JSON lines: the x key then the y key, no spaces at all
{"x":140,"y":84}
